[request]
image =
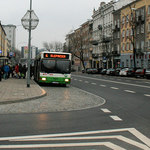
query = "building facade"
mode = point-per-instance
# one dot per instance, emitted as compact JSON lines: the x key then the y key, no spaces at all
{"x":3,"y":46}
{"x":134,"y":51}
{"x":11,"y":35}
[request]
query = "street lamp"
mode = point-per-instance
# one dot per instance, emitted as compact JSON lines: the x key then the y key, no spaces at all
{"x":29,"y":22}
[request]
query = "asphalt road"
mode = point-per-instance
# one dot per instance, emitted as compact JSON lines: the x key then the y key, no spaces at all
{"x":123,"y":122}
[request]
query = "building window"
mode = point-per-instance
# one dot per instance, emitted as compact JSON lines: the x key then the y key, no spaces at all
{"x":123,"y":20}
{"x":127,"y":46}
{"x":137,"y":45}
{"x":131,"y":47}
{"x":123,"y":33}
{"x":118,"y":35}
{"x":149,"y":9}
{"x":149,"y":27}
{"x":131,"y":31}
{"x":123,"y":47}
{"x":118,"y":23}
{"x":142,"y":45}
{"x":137,"y":30}
{"x":127,"y":33}
{"x":127,"y":18}
{"x":142,"y":28}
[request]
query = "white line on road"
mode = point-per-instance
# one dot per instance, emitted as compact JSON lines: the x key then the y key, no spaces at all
{"x":93,"y":83}
{"x":107,"y":144}
{"x":105,"y":110}
{"x":129,"y":91}
{"x":147,"y":95}
{"x":116,"y":118}
{"x":86,"y":81}
{"x":114,"y":88}
{"x":133,"y":131}
{"x":80,"y":80}
{"x":75,"y":79}
{"x":102,"y":85}
{"x":137,"y":85}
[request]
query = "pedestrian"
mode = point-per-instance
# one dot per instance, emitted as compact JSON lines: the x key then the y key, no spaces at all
{"x":20,"y":71}
{"x":6,"y":71}
{"x":24,"y":70}
{"x":0,"y":73}
{"x":17,"y":70}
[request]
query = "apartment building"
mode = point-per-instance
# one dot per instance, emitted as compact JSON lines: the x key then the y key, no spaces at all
{"x":134,"y":34}
{"x":3,"y":52}
{"x":102,"y":35}
{"x":11,"y":34}
{"x":147,"y":2}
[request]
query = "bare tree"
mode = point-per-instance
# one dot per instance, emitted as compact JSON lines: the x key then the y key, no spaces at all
{"x":76,"y":41}
{"x":57,"y":46}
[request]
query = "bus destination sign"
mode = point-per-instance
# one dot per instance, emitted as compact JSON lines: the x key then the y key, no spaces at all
{"x":60,"y":56}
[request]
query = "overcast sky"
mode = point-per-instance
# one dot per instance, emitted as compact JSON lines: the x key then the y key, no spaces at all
{"x":56,"y":18}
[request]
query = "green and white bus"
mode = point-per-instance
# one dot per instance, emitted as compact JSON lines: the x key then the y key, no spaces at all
{"x":53,"y":67}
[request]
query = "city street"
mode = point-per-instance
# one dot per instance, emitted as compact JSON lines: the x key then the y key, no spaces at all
{"x":95,"y":112}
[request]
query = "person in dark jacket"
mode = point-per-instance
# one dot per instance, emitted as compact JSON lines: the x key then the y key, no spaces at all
{"x":24,"y":70}
{"x":6,"y":71}
{"x":0,"y":73}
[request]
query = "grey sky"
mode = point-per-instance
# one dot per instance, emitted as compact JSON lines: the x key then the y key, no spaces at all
{"x":57,"y":18}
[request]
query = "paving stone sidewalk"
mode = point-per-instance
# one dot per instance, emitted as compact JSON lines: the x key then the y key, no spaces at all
{"x":15,"y":90}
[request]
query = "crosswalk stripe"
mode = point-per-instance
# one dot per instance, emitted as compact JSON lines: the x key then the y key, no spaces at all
{"x":116,"y":118}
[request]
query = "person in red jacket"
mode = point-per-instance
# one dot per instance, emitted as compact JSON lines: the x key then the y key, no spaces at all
{"x":17,"y":70}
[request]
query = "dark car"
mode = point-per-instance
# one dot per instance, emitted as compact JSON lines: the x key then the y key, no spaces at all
{"x":92,"y":71}
{"x":147,"y":73}
{"x":117,"y":70}
{"x":140,"y":73}
{"x":103,"y":72}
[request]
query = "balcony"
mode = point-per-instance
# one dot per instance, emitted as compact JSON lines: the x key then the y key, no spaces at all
{"x":95,"y":55}
{"x":116,"y":28}
{"x":115,"y":53}
{"x":106,"y":39}
{"x":94,"y":42}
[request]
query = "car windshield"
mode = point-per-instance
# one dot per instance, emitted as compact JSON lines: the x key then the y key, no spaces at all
{"x":56,"y":66}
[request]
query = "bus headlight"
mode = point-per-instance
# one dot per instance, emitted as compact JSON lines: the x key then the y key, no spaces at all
{"x":43,"y":79}
{"x":66,"y":80}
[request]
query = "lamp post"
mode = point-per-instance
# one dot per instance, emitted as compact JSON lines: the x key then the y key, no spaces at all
{"x":29,"y":22}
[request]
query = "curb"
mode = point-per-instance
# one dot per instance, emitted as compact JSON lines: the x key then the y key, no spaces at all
{"x":44,"y":93}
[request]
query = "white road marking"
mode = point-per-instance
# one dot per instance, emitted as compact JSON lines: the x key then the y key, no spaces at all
{"x":114,"y":88}
{"x":147,"y":95}
{"x":93,"y":83}
{"x":147,"y":82}
{"x":75,"y":79}
{"x":102,"y":85}
{"x":80,"y":80}
{"x":129,"y":91}
{"x":86,"y":81}
{"x":137,"y":85}
{"x":116,"y":118}
{"x":105,"y":110}
{"x":107,"y":144}
{"x":63,"y":136}
{"x":119,"y":137}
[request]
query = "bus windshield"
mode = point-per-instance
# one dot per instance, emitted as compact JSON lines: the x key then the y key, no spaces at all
{"x":56,"y":66}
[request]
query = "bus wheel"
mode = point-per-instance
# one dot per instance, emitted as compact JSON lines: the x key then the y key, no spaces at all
{"x":64,"y":85}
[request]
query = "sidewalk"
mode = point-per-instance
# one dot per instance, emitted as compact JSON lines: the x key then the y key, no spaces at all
{"x":15,"y":90}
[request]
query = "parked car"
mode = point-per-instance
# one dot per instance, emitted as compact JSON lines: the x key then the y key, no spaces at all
{"x":117,"y":71}
{"x":103,"y":72}
{"x":147,"y":73}
{"x":110,"y":71}
{"x":140,"y":73}
{"x":92,"y":70}
{"x":127,"y":72}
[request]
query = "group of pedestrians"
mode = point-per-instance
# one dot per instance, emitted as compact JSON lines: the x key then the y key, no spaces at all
{"x":17,"y":71}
